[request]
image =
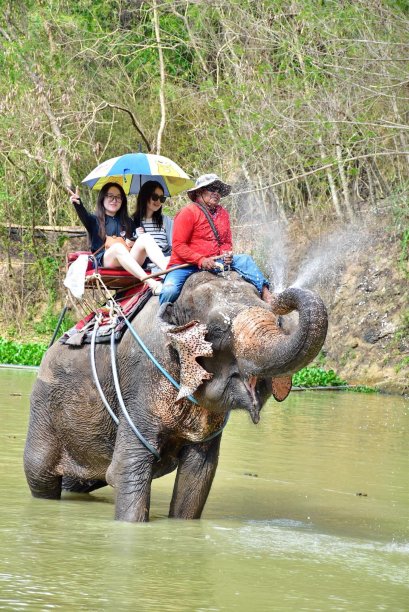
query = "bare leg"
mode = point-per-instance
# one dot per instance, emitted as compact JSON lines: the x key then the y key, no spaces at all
{"x":118,"y":256}
{"x":145,"y":246}
{"x":266,"y":295}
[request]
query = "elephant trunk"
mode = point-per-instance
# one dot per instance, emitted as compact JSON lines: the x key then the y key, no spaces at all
{"x":264,"y":349}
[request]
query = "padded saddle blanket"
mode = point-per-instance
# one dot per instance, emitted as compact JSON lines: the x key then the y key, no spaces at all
{"x":131,"y":302}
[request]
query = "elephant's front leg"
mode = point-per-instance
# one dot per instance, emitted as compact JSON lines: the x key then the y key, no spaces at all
{"x":197,"y":467}
{"x":130,"y":473}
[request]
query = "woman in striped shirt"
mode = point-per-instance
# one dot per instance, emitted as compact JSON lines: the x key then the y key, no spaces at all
{"x":149,"y":218}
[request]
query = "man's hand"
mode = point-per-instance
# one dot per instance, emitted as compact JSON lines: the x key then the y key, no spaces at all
{"x":74,"y":197}
{"x":228,"y":258}
{"x":207,"y":263}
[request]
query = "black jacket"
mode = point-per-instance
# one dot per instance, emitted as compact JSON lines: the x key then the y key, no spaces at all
{"x":91,"y":224}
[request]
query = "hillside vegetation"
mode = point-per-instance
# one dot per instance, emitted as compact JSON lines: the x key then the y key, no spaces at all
{"x":301,"y":105}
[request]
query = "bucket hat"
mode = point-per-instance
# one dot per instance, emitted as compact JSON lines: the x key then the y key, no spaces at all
{"x":209,"y":179}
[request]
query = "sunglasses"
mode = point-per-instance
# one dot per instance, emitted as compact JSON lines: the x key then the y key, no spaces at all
{"x":212,"y":188}
{"x":155,"y":197}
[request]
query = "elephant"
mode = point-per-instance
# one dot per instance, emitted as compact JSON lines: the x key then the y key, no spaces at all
{"x":227,"y":348}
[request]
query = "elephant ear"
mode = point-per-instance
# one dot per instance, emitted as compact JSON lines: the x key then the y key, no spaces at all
{"x":281,"y":387}
{"x":189,"y":341}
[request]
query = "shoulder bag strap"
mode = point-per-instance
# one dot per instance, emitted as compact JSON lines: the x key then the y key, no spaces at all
{"x":210,"y":220}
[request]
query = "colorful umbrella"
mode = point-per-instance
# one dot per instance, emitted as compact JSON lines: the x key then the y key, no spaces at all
{"x":132,"y":170}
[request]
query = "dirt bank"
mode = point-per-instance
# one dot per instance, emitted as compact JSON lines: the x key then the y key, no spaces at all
{"x":368,"y":336}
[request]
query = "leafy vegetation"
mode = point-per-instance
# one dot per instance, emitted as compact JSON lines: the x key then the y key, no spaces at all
{"x":317,"y":377}
{"x":402,"y":364}
{"x":49,"y":321}
{"x":362,"y":389}
{"x":272,"y":92}
{"x":21,"y":354}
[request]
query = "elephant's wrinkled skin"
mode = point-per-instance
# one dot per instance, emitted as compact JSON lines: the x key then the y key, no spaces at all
{"x":72,"y":441}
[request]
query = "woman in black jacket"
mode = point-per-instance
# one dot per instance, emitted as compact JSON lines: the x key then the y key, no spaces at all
{"x":111,"y":219}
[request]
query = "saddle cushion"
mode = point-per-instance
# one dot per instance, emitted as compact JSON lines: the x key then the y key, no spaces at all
{"x":131,"y":302}
{"x":71,"y":257}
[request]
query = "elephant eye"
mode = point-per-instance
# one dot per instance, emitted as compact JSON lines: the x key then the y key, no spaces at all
{"x":219,"y":335}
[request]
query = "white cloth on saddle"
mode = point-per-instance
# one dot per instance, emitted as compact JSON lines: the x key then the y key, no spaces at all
{"x":75,"y":277}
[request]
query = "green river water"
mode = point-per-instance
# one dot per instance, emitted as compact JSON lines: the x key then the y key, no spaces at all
{"x":283,"y":529}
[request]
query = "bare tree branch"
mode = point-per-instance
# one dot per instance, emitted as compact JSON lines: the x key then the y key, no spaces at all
{"x":131,"y":115}
{"x":321,"y":168}
{"x":162,"y":79}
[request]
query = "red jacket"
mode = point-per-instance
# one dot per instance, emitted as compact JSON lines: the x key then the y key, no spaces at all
{"x":193,"y":238}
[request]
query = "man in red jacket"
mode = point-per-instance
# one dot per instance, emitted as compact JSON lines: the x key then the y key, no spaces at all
{"x":202,"y":237}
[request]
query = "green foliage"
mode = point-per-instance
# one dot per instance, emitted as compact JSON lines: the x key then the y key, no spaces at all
{"x":402,"y":5}
{"x":321,"y":358}
{"x":21,"y":354}
{"x":249,"y":78}
{"x":404,"y":363}
{"x":400,"y":211}
{"x":49,"y":322}
{"x":405,"y":321}
{"x":317,"y":377}
{"x":48,"y":269}
{"x":404,"y":256}
{"x":362,"y":389}
{"x":403,"y":331}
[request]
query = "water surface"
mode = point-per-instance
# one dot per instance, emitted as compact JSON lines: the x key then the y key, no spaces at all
{"x":308,"y":511}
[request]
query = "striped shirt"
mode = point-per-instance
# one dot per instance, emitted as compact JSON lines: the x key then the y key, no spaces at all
{"x":158,"y":233}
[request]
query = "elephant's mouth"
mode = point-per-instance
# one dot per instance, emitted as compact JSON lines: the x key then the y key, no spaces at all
{"x":240,"y":393}
{"x":250,"y":385}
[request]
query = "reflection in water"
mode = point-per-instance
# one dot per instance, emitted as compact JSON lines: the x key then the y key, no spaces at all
{"x":284,"y":528}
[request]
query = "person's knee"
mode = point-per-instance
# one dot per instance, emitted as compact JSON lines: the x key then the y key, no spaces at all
{"x":145,"y":239}
{"x":242,"y":259}
{"x":117,"y":249}
{"x":170,"y":292}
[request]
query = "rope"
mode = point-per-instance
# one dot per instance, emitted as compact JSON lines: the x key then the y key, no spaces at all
{"x":154,"y":361}
{"x":94,"y":370}
{"x":218,"y":431}
{"x":59,"y":322}
{"x":121,"y":401}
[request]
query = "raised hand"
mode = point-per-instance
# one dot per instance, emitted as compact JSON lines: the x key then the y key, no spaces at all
{"x":74,"y":196}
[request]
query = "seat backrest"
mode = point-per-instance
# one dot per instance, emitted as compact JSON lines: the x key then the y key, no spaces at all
{"x":71,"y":257}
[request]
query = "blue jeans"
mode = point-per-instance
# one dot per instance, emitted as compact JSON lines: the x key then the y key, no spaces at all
{"x":243,"y":264}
